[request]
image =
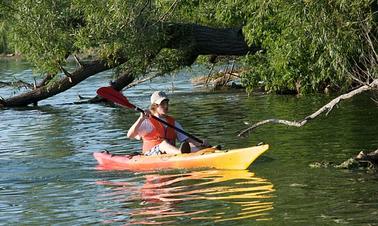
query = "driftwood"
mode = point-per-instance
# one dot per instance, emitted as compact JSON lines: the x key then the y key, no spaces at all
{"x":328,"y":107}
{"x":366,"y":161}
{"x":142,"y":80}
{"x":371,"y":157}
{"x":220,"y":79}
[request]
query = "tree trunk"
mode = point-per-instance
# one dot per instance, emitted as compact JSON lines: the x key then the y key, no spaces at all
{"x":191,"y":38}
{"x":204,"y":40}
{"x":122,"y":81}
{"x":49,"y":90}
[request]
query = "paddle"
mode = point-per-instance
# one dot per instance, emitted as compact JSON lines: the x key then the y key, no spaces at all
{"x":113,"y":95}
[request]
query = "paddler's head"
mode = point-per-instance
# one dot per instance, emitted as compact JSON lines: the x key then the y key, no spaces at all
{"x":159,"y":103}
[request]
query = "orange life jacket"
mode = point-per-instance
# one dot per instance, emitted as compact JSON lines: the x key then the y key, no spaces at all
{"x":159,"y":134}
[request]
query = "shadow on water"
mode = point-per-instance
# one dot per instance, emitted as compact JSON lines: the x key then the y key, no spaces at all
{"x":192,"y":198}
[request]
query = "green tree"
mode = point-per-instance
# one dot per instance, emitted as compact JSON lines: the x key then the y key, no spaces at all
{"x":285,"y":45}
{"x":310,"y":44}
{"x":3,"y":35}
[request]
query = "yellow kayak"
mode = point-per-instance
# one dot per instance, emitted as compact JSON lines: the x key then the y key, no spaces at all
{"x":236,"y":159}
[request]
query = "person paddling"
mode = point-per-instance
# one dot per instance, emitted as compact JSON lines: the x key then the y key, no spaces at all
{"x":157,"y":137}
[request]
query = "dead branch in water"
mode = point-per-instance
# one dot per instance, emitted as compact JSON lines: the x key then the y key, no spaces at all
{"x":219,"y":79}
{"x":142,"y":80}
{"x":17,"y":84}
{"x":328,"y":107}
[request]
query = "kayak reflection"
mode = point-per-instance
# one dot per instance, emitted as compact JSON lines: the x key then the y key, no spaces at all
{"x":194,"y":198}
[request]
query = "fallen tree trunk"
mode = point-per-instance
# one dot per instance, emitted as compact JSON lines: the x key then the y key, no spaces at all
{"x":53,"y":88}
{"x":193,"y":39}
{"x":118,"y":84}
{"x":203,"y":40}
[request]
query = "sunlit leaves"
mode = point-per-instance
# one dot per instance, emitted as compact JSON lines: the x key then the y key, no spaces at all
{"x":44,"y":38}
{"x":46,"y":32}
{"x":308,"y":45}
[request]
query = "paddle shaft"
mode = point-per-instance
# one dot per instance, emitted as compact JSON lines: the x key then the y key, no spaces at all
{"x":172,"y":126}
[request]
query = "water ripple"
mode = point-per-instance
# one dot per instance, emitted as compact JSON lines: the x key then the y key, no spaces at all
{"x":47,"y":171}
{"x":194,"y":198}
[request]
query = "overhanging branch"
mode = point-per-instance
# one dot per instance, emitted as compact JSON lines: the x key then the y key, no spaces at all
{"x":51,"y":89}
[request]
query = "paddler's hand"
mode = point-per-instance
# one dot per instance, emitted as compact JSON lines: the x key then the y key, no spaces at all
{"x":205,"y":144}
{"x":145,"y":115}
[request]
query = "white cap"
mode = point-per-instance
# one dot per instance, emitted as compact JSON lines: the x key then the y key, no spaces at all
{"x":158,"y":96}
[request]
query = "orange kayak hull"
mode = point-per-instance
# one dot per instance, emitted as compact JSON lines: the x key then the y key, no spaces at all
{"x":236,"y":159}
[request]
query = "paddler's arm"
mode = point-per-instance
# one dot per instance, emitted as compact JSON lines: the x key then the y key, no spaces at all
{"x":195,"y":145}
{"x":133,"y":131}
{"x":204,"y":143}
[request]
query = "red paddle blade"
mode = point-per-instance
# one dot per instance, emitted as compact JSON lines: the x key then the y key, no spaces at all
{"x":113,"y":95}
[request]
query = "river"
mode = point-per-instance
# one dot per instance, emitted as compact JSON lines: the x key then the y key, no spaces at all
{"x":49,"y":177}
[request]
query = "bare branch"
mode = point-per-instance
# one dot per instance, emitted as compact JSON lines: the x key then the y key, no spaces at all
{"x":78,"y":61}
{"x":146,"y":4}
{"x":35,"y":84}
{"x":209,"y":75}
{"x":274,"y":121}
{"x":367,"y":36}
{"x":169,"y":11}
{"x":358,"y":72}
{"x":69,"y":76}
{"x":17,"y":84}
{"x":328,"y":107}
{"x":46,"y":80}
{"x":142,"y":80}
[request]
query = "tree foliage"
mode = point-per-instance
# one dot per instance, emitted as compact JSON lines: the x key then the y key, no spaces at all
{"x":307,"y":45}
{"x":46,"y":32}
{"x":3,"y":38}
{"x":310,"y":44}
{"x":4,"y":48}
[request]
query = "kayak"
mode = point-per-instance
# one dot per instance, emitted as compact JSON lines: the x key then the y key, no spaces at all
{"x":236,"y":159}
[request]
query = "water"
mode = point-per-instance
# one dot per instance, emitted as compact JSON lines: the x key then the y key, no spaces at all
{"x":48,"y":174}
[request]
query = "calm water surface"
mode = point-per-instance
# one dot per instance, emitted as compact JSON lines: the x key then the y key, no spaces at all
{"x":48,"y":175}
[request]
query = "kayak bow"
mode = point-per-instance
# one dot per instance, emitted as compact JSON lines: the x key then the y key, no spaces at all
{"x":237,"y":159}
